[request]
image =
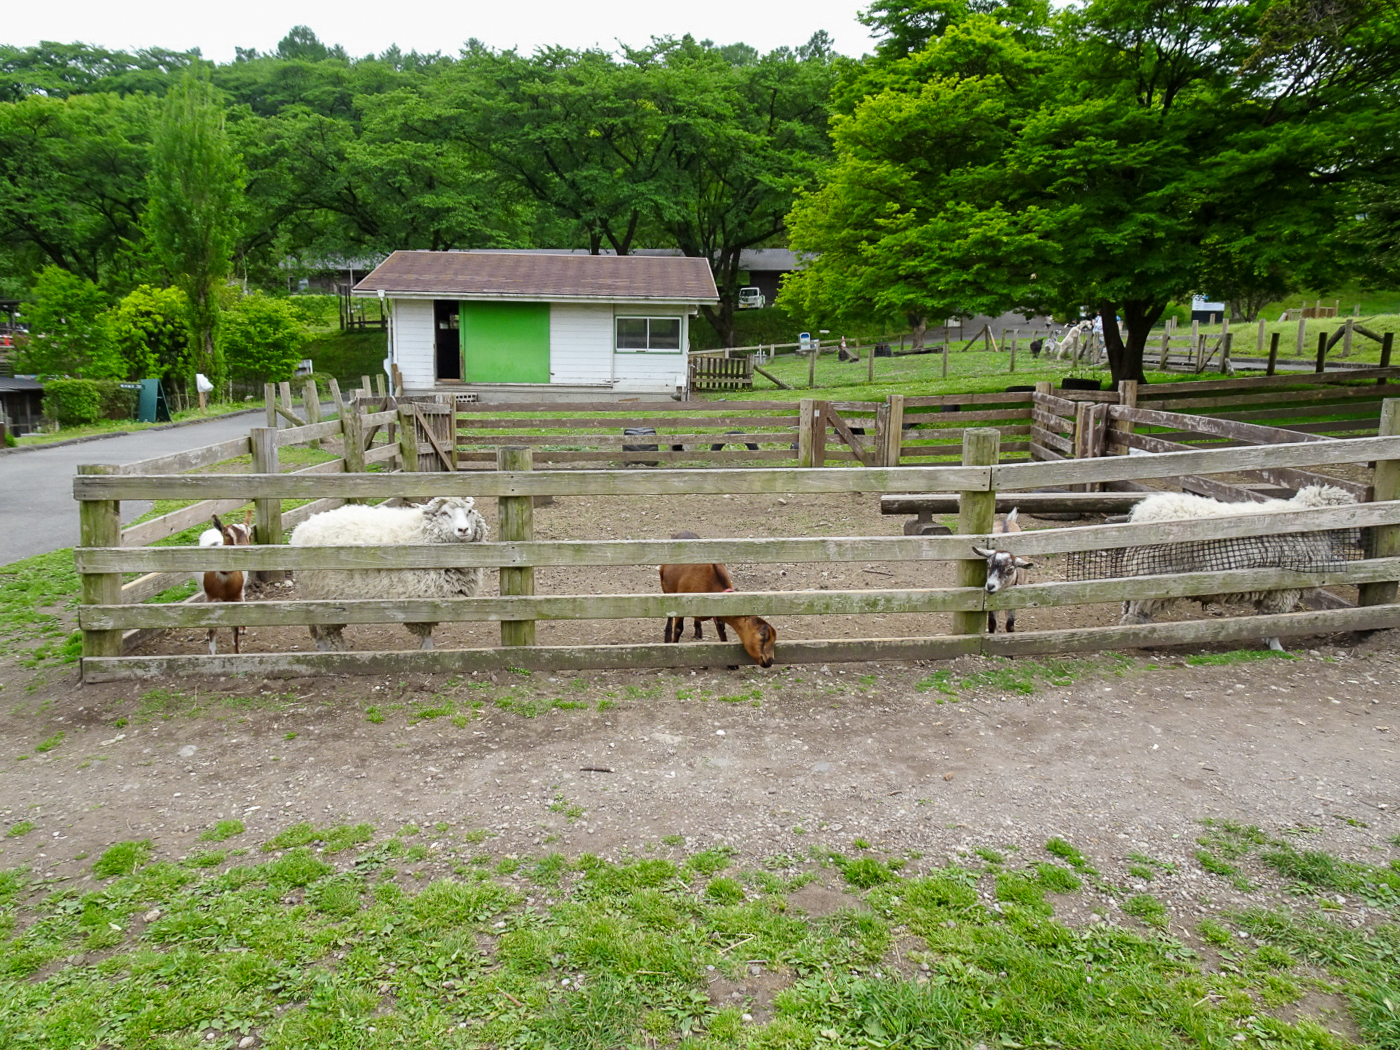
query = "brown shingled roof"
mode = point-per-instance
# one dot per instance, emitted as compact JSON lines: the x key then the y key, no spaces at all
{"x":506,"y":275}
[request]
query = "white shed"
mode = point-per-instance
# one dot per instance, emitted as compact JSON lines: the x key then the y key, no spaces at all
{"x":516,"y":325}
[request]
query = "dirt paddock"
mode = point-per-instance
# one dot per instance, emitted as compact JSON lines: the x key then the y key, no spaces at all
{"x":1119,"y":754}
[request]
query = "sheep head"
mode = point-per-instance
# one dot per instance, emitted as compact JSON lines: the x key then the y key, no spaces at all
{"x":454,"y":519}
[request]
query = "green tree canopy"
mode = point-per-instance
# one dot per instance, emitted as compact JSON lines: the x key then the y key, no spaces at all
{"x":1133,"y":152}
{"x":70,"y":329}
{"x":195,"y":189}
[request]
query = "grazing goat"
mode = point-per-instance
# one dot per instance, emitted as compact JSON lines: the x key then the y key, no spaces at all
{"x":1296,"y":550}
{"x":756,"y":634}
{"x":222,"y":586}
{"x":445,"y":519}
{"x":1004,"y":569}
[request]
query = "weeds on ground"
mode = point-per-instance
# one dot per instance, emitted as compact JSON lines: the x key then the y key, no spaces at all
{"x":302,"y":950}
{"x":1021,"y":677}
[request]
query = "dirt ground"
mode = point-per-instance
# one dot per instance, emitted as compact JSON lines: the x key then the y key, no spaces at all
{"x":1127,"y":758}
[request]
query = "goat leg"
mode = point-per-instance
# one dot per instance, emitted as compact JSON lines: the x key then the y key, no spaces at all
{"x":698,"y":632}
{"x":214,"y":644}
{"x":991,"y":623}
{"x":719,"y":626}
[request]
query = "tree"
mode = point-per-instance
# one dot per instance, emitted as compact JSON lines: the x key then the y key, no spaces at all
{"x":70,"y":331}
{"x":196,"y":184}
{"x":150,"y":332}
{"x":73,"y":182}
{"x":267,"y":336}
{"x":1120,"y":161}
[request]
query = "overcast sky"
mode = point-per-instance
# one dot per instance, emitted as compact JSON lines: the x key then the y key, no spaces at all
{"x":363,"y":27}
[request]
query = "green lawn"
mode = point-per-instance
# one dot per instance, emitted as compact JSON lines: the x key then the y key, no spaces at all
{"x":311,"y":938}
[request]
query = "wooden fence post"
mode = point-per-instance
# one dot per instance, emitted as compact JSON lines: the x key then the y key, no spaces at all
{"x":100,"y":525}
{"x":517,"y":525}
{"x":1302,"y":331}
{"x":1385,"y":485}
{"x":805,"y":430}
{"x":379,"y":384}
{"x":1226,"y":368}
{"x":1321,"y":352}
{"x":366,"y":386}
{"x":1166,"y":349}
{"x":270,"y":401}
{"x":1128,"y":398}
{"x":1259,"y":337}
{"x":352,"y":440}
{"x":870,"y":364}
{"x":812,"y":353}
{"x":267,"y":520}
{"x":408,"y":438}
{"x":976,"y":512}
{"x":335,"y":396}
{"x":1346,"y":337}
{"x":311,"y":406}
{"x":889,"y":426}
{"x":1387,"y":342}
{"x":1273,"y":354}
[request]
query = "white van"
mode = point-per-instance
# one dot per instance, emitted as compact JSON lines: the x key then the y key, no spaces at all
{"x":751,"y":298}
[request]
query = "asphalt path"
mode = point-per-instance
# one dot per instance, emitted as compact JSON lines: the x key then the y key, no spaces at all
{"x":37,"y":511}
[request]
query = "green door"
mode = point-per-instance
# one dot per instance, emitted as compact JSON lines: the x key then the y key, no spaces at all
{"x":505,"y":342}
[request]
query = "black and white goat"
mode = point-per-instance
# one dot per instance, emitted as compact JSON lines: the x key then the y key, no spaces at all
{"x":1004,"y":570}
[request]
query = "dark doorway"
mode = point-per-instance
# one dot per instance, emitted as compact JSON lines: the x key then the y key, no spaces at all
{"x":447,"y":339}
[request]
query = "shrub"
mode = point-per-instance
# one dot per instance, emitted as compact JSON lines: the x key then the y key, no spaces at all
{"x":70,"y":329}
{"x":315,"y":311}
{"x":262,"y":339}
{"x":72,"y":402}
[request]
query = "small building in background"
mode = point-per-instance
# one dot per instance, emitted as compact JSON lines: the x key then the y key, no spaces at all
{"x":22,"y":404}
{"x":1207,"y":311}
{"x":529,"y":326}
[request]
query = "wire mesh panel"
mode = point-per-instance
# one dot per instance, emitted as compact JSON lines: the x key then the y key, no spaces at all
{"x":1299,"y":551}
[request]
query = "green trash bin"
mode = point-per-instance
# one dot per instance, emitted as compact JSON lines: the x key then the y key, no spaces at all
{"x":152,"y":407}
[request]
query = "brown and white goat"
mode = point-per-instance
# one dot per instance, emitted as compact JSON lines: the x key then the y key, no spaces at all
{"x":757,"y":635}
{"x":1004,"y":570}
{"x":220,"y":586}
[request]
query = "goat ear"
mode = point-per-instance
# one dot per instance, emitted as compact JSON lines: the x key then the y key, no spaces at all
{"x":982,"y":552}
{"x":217,"y":523}
{"x":1021,"y":563}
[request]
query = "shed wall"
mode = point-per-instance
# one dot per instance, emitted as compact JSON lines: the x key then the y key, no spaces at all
{"x":580,"y":343}
{"x":413,"y":342}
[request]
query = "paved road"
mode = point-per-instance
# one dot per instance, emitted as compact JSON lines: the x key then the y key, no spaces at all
{"x":37,"y":510}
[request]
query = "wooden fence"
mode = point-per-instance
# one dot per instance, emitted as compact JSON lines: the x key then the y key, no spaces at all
{"x":356,"y":428}
{"x":101,"y":560}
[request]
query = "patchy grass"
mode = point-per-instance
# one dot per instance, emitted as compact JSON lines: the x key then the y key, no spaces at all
{"x":303,"y":950}
{"x":1021,"y":677}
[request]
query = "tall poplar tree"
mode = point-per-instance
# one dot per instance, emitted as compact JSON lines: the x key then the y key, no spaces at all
{"x":196,"y":184}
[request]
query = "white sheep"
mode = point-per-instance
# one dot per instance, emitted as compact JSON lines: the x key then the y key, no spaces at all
{"x":1296,"y":550}
{"x":446,"y":519}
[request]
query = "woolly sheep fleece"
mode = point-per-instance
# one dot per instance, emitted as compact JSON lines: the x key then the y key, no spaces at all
{"x":442,"y":520}
{"x":1299,"y":548}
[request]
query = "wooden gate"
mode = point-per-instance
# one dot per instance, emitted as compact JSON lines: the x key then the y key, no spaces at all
{"x":709,"y":372}
{"x":429,"y":434}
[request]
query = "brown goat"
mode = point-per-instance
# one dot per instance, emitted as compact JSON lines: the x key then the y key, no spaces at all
{"x":756,"y":634}
{"x":222,"y":586}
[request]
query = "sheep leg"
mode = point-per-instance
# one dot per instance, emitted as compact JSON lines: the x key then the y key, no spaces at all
{"x":1276,"y":645}
{"x":423,"y":632}
{"x":328,"y":636}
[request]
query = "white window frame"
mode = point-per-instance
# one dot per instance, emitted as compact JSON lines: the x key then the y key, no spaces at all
{"x":678,"y":320}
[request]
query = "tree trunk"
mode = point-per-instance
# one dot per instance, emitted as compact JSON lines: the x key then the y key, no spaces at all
{"x":1139,"y":315}
{"x":919,"y":324}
